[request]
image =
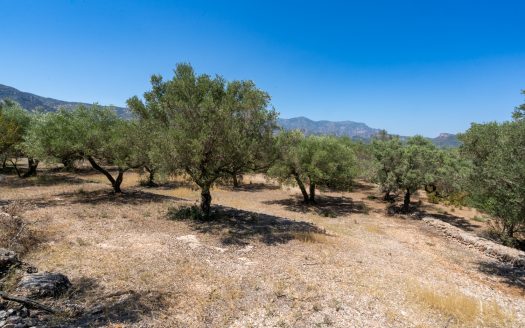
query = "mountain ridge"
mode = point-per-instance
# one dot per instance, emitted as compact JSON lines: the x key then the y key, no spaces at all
{"x":354,"y":130}
{"x":34,"y":102}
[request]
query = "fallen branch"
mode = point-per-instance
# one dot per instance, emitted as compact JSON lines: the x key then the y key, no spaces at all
{"x":28,"y":302}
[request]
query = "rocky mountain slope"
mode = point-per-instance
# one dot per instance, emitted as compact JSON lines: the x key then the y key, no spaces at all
{"x":354,"y":130}
{"x":33,"y":102}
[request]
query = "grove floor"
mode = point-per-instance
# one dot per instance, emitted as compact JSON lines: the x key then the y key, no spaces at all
{"x":270,"y":261}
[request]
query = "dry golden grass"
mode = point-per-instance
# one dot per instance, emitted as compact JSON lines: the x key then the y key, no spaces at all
{"x":374,"y":229}
{"x":254,"y":273}
{"x":463,"y":310}
{"x":310,"y":237}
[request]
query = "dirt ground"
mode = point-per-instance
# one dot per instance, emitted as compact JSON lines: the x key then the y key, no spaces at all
{"x":270,"y":261}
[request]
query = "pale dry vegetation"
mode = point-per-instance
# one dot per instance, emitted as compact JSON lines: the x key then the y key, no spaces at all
{"x":462,"y":309}
{"x":268,"y":261}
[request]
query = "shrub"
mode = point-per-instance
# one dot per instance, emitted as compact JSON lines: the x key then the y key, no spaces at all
{"x":17,"y":235}
{"x":186,"y":213}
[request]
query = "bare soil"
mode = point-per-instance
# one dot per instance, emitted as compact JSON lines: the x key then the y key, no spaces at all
{"x":269,"y":261}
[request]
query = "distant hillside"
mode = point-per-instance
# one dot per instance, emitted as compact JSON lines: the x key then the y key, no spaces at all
{"x":343,"y":128}
{"x":33,"y":102}
{"x":354,"y":130}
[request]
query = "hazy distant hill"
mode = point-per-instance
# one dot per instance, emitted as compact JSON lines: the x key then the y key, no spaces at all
{"x":33,"y":102}
{"x":354,"y":130}
{"x":343,"y":128}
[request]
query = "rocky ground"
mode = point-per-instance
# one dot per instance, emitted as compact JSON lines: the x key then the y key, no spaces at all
{"x":269,"y":261}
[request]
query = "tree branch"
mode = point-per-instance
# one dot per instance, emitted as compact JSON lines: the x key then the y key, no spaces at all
{"x":29,"y":302}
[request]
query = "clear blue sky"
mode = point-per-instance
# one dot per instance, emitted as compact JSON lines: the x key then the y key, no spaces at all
{"x":408,"y":66}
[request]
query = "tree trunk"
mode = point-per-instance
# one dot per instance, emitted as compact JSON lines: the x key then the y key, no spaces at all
{"x":16,"y":168}
{"x":68,"y":164}
{"x":118,"y":181}
{"x":312,"y":192}
{"x":508,"y":230}
{"x":406,"y":201}
{"x":235,"y":181}
{"x":115,"y":183}
{"x":387,"y":196}
{"x":32,"y":165}
{"x":206,"y":201}
{"x":151,"y":177}
{"x":303,"y":189}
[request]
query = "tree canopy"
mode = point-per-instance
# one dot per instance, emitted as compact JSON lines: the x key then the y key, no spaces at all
{"x":325,"y":161}
{"x":208,"y":126}
{"x":497,"y":182}
{"x":96,"y":134}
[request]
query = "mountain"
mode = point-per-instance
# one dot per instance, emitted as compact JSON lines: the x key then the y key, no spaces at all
{"x":445,"y":140}
{"x":354,"y":130}
{"x":344,"y":128}
{"x":33,"y":102}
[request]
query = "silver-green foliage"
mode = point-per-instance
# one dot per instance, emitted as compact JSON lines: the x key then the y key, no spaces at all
{"x":205,"y":126}
{"x":324,"y":161}
{"x":93,"y":133}
{"x":497,"y":183}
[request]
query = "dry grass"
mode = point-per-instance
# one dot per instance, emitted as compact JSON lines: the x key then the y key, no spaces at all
{"x":374,"y":229}
{"x":16,"y":233}
{"x":279,"y":271}
{"x":461,"y":309}
{"x":310,"y":237}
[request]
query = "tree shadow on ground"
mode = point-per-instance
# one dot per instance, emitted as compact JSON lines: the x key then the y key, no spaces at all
{"x":254,"y":187}
{"x":99,"y":308}
{"x":358,"y":186}
{"x":238,"y":227}
{"x":511,"y":275}
{"x":129,"y":197}
{"x":43,"y":180}
{"x":176,"y":184}
{"x":454,"y":220}
{"x":329,"y":206}
{"x":417,"y":212}
{"x":98,"y":197}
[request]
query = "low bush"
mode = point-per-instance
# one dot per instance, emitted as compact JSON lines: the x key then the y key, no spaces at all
{"x":16,"y":234}
{"x":185,"y":213}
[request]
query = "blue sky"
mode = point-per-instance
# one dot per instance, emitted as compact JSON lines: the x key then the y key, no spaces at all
{"x":411,"y":67}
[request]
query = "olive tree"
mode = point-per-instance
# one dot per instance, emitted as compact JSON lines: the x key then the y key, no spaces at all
{"x":406,"y":167}
{"x":497,"y":182}
{"x":451,"y":174}
{"x":314,"y":160}
{"x":205,"y":126}
{"x":418,"y":167}
{"x":94,"y":133}
{"x":388,"y":153}
{"x":14,"y":122}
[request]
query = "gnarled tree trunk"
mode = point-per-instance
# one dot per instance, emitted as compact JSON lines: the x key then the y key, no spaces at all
{"x":235,"y":181}
{"x":406,"y":201}
{"x":68,"y":164}
{"x":32,"y":165}
{"x":115,"y":183}
{"x":312,"y":191}
{"x":151,"y":177}
{"x":306,"y":199}
{"x":206,"y":201}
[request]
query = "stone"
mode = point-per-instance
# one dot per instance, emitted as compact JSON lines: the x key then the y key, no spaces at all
{"x":46,"y":284}
{"x":8,"y":259}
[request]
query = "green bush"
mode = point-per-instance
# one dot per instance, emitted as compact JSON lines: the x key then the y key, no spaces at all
{"x":186,"y":213}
